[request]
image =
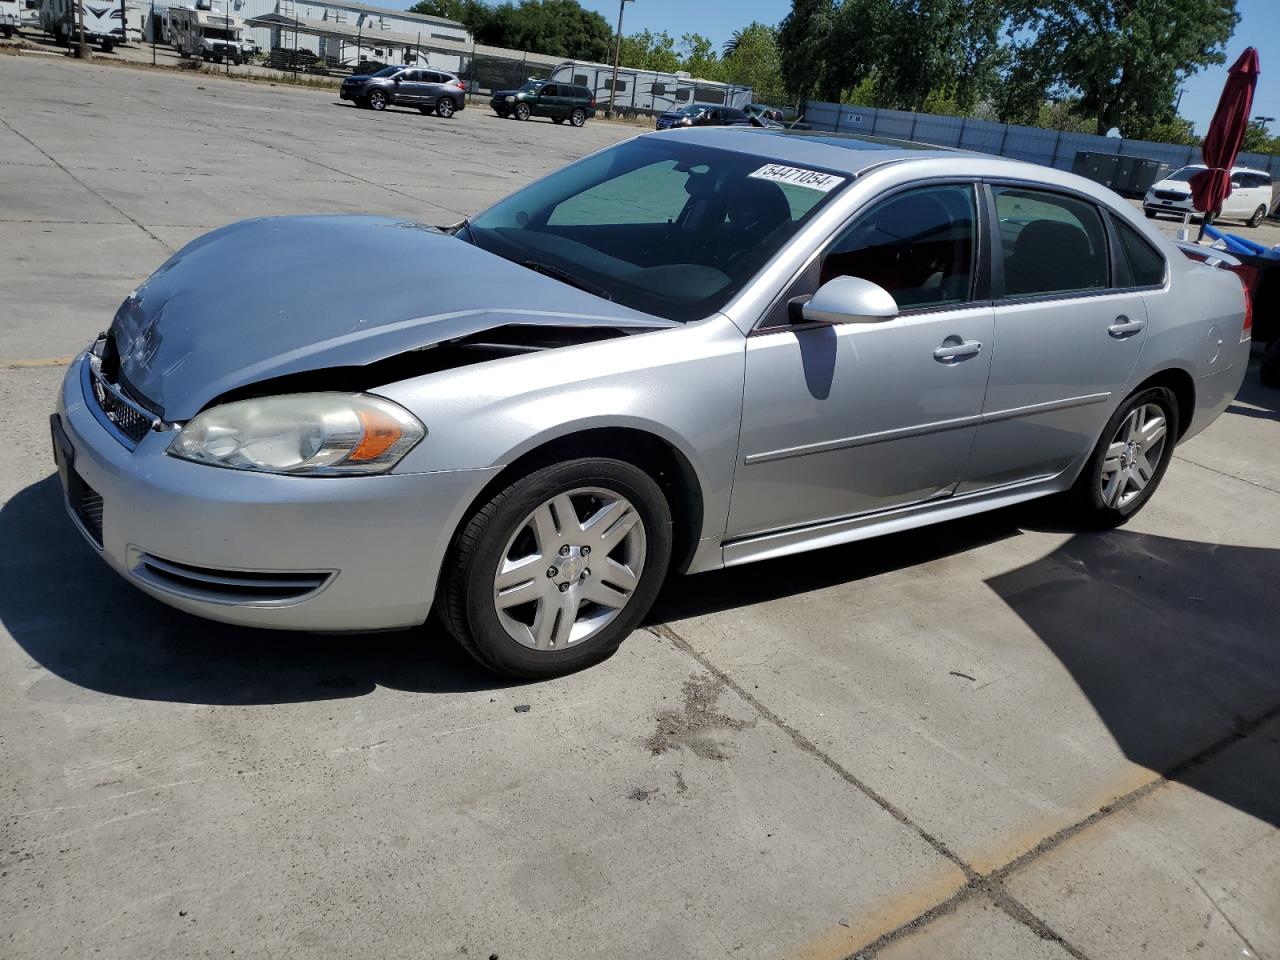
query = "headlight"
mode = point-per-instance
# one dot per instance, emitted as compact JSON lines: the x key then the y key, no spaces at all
{"x":325,"y":434}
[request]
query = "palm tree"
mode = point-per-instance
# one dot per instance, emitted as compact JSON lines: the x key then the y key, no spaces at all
{"x":731,"y":45}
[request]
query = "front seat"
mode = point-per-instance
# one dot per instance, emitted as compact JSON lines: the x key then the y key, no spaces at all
{"x":1047,"y":256}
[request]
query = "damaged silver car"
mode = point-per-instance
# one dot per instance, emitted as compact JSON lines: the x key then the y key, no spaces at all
{"x":684,"y":352}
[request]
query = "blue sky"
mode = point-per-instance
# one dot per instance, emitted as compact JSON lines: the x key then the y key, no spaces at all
{"x":717,"y":19}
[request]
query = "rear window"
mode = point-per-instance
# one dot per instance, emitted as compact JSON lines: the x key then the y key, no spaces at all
{"x":1146,"y":266}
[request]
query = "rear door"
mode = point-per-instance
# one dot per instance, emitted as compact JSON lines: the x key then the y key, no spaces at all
{"x":433,"y":84}
{"x":1069,"y":327}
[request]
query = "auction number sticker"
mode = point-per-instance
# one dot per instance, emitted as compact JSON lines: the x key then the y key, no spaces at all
{"x":798,"y":177}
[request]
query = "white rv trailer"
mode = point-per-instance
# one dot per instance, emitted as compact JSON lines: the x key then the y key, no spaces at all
{"x":103,"y":21}
{"x":10,"y":17}
{"x":210,"y":34}
{"x":650,"y":91}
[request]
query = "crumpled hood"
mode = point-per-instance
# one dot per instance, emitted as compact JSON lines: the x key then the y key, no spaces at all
{"x":268,"y":297}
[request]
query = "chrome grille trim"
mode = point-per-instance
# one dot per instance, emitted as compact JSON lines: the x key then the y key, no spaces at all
{"x":230,"y":587}
{"x":123,"y":418}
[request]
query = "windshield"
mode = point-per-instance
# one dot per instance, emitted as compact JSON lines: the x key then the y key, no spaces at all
{"x":664,"y":227}
{"x":387,"y":72}
{"x":692,"y":111}
{"x":1185,"y":174}
{"x":531,"y":87}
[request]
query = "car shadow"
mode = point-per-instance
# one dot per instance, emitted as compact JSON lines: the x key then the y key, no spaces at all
{"x":1255,"y":398}
{"x":81,"y":621}
{"x":1173,"y":642}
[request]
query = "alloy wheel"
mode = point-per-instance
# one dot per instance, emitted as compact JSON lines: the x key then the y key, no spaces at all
{"x":1133,"y":456}
{"x":445,"y":107}
{"x":377,"y":100}
{"x":570,"y":568}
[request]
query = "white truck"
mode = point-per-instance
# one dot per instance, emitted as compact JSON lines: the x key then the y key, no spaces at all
{"x":103,"y":21}
{"x":210,"y":34}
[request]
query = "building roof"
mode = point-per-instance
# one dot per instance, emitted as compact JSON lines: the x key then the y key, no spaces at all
{"x":399,"y":14}
{"x":394,"y":38}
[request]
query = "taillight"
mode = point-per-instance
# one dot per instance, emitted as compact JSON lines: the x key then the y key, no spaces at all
{"x":592,"y":103}
{"x":459,"y":84}
{"x":1247,"y":332}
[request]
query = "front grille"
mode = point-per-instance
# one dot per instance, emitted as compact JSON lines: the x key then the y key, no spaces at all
{"x":1169,"y":195}
{"x":215,"y":585}
{"x":86,"y":503}
{"x":129,"y":419}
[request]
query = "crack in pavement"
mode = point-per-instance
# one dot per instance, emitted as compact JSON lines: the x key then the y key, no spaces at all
{"x":1231,"y":476}
{"x":991,"y":884}
{"x":86,"y":186}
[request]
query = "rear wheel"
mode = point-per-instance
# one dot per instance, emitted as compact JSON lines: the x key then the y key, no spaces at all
{"x":1151,"y":214}
{"x":445,"y":107}
{"x":1258,"y":216}
{"x":522,"y":111}
{"x":578,"y":117}
{"x":555,"y":571}
{"x":377,"y":100}
{"x":1130,"y":459}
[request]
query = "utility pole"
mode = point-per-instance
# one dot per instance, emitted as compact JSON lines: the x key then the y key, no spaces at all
{"x":82,"y":47}
{"x":226,"y":43}
{"x":151,"y":23}
{"x":617,"y":55}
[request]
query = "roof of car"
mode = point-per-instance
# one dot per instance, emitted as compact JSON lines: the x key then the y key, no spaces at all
{"x":848,"y":153}
{"x":1201,"y":166}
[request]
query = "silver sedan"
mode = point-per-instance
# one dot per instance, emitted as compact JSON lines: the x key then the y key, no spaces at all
{"x":686,"y":352}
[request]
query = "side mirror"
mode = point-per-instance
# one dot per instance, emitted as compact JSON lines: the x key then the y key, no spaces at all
{"x":850,"y":300}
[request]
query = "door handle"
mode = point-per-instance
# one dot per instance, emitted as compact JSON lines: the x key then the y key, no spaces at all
{"x":953,"y":350}
{"x":1124,"y":327}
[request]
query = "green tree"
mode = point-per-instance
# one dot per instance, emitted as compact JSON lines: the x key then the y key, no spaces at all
{"x":1123,"y":59}
{"x":932,"y":47}
{"x":699,"y":57}
{"x":650,"y":51}
{"x":471,"y":13}
{"x":754,"y":62}
{"x":1257,"y":140}
{"x":558,"y":28}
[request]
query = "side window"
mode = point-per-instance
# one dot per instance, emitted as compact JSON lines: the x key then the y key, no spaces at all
{"x":1146,"y":265}
{"x":919,"y":245}
{"x":1051,"y":243}
{"x":550,"y":90}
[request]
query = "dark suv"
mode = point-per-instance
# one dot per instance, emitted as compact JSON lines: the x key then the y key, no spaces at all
{"x":559,"y":101}
{"x":700,"y":116}
{"x":428,"y":90}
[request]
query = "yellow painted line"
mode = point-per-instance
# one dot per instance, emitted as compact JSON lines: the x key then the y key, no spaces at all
{"x":49,"y":362}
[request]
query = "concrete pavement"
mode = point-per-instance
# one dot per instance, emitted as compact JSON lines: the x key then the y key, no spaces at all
{"x":994,"y":738}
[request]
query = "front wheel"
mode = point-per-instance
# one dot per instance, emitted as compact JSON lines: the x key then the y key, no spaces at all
{"x":555,"y":571}
{"x":522,"y":111}
{"x":445,"y":107}
{"x":1258,"y":216}
{"x":377,"y":100}
{"x":1151,"y":214}
{"x":1130,"y":459}
{"x":578,"y":117}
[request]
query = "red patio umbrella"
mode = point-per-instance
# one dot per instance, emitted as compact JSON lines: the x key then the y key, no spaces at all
{"x":1226,"y":133}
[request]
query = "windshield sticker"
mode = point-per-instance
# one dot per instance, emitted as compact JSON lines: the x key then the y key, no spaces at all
{"x":798,"y":177}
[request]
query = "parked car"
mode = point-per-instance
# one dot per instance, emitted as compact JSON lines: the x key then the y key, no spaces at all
{"x":690,"y":350}
{"x":431,"y":91}
{"x":1249,"y":200}
{"x":700,"y":115}
{"x":559,"y":101}
{"x":764,"y":112}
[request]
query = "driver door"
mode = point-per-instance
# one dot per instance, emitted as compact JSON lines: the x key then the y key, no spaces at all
{"x":853,"y":418}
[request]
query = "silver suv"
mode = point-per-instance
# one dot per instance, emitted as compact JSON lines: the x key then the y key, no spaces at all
{"x":431,"y":91}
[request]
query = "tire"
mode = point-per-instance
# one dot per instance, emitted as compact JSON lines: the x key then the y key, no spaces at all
{"x":522,"y":111}
{"x":1258,"y":216}
{"x":578,"y":117}
{"x":377,"y":100}
{"x":1099,"y":499}
{"x":1151,"y":214}
{"x":1270,"y":371}
{"x":107,"y":46}
{"x":507,"y":640}
{"x":445,"y":107}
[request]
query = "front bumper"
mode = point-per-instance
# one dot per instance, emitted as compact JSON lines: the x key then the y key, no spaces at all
{"x":374,"y":544}
{"x":1157,"y":205}
{"x":350,"y":93}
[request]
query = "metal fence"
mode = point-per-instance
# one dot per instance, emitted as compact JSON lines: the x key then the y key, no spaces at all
{"x":1052,"y":148}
